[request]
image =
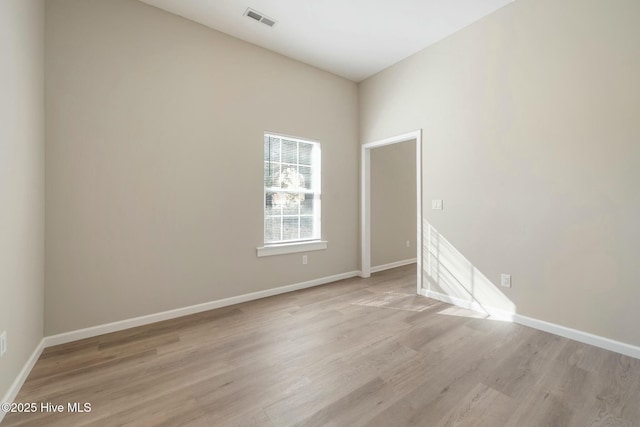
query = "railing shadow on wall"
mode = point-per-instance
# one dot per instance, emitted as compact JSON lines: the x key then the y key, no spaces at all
{"x":452,"y":278}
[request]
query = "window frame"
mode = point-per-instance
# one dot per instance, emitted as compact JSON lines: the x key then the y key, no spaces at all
{"x":296,"y":245}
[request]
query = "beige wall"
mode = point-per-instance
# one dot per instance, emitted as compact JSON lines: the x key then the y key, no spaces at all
{"x":531,"y":133}
{"x":393,"y":203}
{"x":21,"y":182}
{"x":154,"y":162}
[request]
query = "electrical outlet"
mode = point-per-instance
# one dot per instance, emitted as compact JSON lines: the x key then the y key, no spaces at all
{"x":436,"y":204}
{"x":408,"y":243}
{"x":3,"y":343}
{"x":304,"y":259}
{"x":506,"y":280}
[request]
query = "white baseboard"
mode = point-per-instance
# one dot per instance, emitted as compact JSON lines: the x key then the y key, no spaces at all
{"x":184,"y":311}
{"x":11,"y":394}
{"x":553,"y":328}
{"x":584,"y":337}
{"x":393,"y":265}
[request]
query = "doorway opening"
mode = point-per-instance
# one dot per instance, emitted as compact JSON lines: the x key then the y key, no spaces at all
{"x":365,"y":198}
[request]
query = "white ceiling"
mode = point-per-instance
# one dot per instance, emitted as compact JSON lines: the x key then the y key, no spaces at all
{"x":351,"y":38}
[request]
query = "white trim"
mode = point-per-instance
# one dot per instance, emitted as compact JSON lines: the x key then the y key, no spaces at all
{"x":365,"y":213}
{"x":11,"y":394}
{"x":179,"y":312}
{"x":291,"y":137}
{"x":291,"y":248}
{"x":394,"y":139}
{"x":419,"y":213}
{"x":365,"y":201}
{"x":553,"y":328}
{"x":391,"y":265}
{"x":577,"y":335}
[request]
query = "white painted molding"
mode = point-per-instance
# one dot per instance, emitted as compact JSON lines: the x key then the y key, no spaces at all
{"x":577,"y":335}
{"x":393,"y":265}
{"x":184,"y":311}
{"x":11,"y":394}
{"x":365,"y":213}
{"x":553,"y":328}
{"x":291,"y":248}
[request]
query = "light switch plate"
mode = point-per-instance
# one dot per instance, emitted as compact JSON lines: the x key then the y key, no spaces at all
{"x":506,"y":281}
{"x":436,"y":204}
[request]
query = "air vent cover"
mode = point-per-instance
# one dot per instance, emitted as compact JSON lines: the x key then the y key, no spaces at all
{"x":259,"y":16}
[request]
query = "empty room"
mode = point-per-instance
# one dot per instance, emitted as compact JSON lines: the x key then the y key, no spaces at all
{"x":297,"y":212}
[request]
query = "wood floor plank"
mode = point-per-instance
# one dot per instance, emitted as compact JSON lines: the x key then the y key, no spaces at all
{"x":482,"y":406}
{"x":359,"y":352}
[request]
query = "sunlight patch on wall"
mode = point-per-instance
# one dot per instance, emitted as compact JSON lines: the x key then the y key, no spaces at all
{"x":451,"y":274}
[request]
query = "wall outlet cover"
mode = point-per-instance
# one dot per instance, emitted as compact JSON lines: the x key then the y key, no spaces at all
{"x":3,"y":343}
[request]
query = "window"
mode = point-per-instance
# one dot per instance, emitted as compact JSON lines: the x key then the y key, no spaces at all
{"x":291,"y":190}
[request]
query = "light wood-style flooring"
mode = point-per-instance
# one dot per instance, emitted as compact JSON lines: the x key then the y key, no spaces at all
{"x":355,"y":352}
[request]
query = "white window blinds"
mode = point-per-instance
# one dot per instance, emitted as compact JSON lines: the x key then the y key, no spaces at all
{"x":291,"y":189}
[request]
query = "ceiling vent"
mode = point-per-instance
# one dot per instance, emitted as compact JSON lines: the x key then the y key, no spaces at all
{"x":258,"y":16}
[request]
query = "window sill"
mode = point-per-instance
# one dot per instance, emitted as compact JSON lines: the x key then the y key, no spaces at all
{"x":291,"y":248}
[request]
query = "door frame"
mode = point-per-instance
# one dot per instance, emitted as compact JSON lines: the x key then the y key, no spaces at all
{"x":365,"y":201}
